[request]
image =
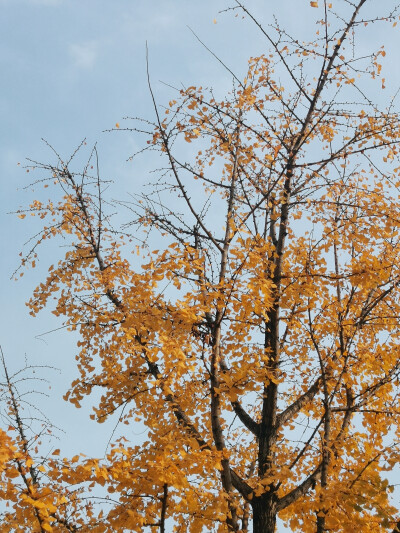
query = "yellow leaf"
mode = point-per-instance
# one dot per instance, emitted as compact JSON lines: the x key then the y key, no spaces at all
{"x":314,"y":4}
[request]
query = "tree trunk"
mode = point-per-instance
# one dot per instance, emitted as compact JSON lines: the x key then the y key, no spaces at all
{"x":264,"y":514}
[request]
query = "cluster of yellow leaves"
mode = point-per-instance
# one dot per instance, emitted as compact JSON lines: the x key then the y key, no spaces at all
{"x":310,"y":243}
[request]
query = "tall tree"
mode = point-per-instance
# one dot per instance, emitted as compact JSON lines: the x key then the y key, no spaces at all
{"x":259,"y":345}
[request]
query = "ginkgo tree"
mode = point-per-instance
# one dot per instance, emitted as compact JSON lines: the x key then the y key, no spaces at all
{"x":260,"y":343}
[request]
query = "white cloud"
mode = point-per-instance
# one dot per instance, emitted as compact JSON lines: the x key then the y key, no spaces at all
{"x":45,"y":2}
{"x":84,"y":55}
{"x":32,"y":2}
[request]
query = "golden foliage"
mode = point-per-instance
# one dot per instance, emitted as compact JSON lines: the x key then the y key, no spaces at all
{"x":260,"y":345}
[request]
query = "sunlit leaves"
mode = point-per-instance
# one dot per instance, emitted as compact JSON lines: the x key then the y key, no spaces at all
{"x":257,"y":342}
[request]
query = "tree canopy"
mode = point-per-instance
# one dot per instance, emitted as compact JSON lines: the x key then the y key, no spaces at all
{"x":259,"y":343}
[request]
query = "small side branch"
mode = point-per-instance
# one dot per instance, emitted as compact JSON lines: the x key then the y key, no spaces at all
{"x":296,"y":406}
{"x":301,"y":490}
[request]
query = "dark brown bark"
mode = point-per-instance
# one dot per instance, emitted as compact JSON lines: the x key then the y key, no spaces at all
{"x":396,"y":528}
{"x":264,"y":513}
{"x":164,"y":503}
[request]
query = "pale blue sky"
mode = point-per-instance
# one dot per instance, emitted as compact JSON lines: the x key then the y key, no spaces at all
{"x":73,"y":68}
